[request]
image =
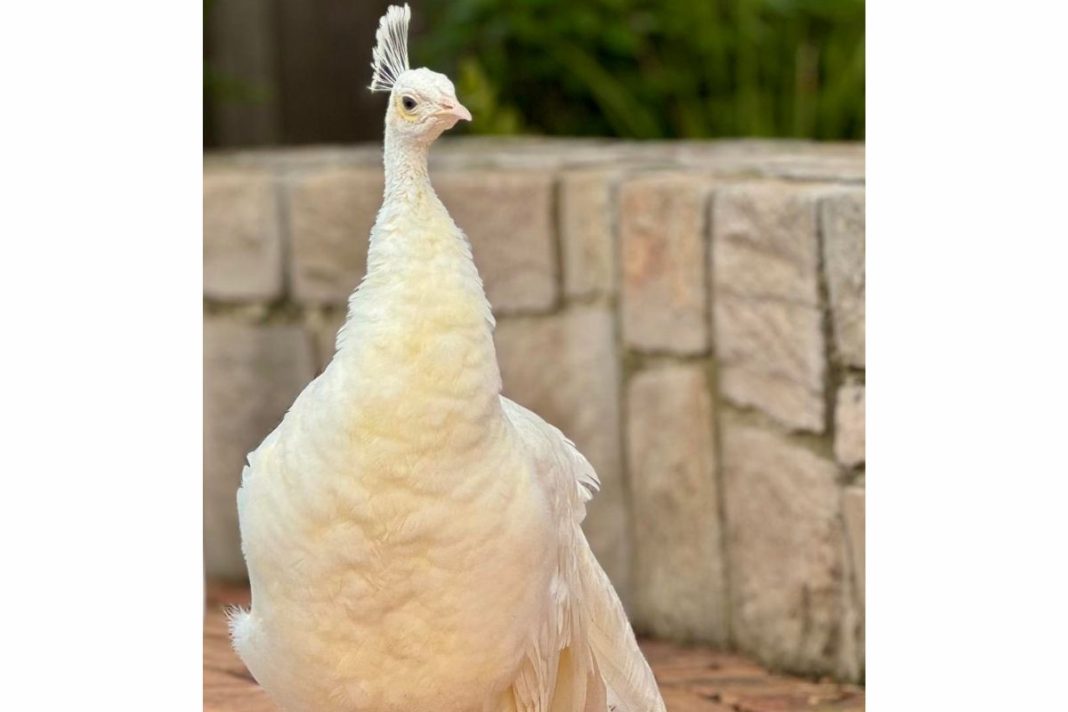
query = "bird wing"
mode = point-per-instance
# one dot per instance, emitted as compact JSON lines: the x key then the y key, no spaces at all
{"x":584,"y":657}
{"x":560,"y":463}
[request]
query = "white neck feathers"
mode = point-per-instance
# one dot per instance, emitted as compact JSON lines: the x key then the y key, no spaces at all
{"x":405,"y":164}
{"x":421,"y":314}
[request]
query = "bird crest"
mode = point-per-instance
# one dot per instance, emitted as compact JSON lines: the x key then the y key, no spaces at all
{"x":390,"y":55}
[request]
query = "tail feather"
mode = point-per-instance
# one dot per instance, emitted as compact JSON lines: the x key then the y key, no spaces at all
{"x":628,"y":677}
{"x":239,"y":621}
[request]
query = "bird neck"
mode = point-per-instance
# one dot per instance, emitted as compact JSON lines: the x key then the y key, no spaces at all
{"x":420,"y":322}
{"x":405,"y":163}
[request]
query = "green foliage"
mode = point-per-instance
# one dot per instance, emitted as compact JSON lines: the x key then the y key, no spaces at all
{"x":480,"y":97}
{"x":654,"y":68}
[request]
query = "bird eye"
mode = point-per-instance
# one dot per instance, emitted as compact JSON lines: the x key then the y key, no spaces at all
{"x":408,"y":102}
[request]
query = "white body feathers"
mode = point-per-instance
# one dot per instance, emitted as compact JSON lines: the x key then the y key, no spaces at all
{"x":413,"y":537}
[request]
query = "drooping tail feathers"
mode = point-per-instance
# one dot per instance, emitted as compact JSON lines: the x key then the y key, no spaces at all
{"x":630,"y":682}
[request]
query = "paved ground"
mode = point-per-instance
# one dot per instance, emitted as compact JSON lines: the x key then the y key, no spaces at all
{"x":692,"y":679}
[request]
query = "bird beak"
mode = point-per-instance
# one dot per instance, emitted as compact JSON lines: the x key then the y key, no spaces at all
{"x":456,"y":110}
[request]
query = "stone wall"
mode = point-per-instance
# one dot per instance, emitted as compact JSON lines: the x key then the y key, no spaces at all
{"x":691,"y":314}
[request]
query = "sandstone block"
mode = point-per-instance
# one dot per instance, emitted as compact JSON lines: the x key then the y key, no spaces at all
{"x":849,"y":425}
{"x":785,"y":550}
{"x":853,"y":510}
{"x":842,"y":216}
{"x":852,"y":666}
{"x":331,"y":212}
{"x":565,"y":368}
{"x":589,"y":255}
{"x":508,"y":216}
{"x":242,"y":238}
{"x":765,"y":284}
{"x":252,"y":374}
{"x":679,"y":586}
{"x":765,"y":349}
{"x":662,"y":233}
{"x":323,"y":325}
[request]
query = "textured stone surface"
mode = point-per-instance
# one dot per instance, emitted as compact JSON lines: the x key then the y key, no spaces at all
{"x":770,"y":158}
{"x":662,"y":233}
{"x":323,"y":325}
{"x":589,"y":254}
{"x":679,"y":588}
{"x":842,"y":215}
{"x":769,"y":338}
{"x":853,"y":510}
{"x":242,"y":242}
{"x":252,"y":374}
{"x":853,"y":633}
{"x":849,"y":424}
{"x":508,"y":216}
{"x":785,"y":550}
{"x":331,"y":212}
{"x":565,"y":369}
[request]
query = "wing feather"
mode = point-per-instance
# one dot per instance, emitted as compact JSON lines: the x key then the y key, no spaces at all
{"x":584,"y":657}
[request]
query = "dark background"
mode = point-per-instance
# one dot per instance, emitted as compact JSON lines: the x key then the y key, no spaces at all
{"x":280,"y":72}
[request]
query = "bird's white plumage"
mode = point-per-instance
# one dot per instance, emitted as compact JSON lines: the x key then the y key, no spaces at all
{"x":390,"y":56}
{"x":413,"y":538}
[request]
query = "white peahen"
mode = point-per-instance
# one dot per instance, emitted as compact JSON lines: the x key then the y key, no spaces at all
{"x":412,"y":537}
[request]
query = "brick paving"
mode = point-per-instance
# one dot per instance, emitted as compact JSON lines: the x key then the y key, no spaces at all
{"x":692,"y":679}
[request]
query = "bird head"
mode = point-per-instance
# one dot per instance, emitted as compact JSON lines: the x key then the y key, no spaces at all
{"x":422,"y":103}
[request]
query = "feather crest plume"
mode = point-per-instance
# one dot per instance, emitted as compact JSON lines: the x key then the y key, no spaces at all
{"x":390,"y":55}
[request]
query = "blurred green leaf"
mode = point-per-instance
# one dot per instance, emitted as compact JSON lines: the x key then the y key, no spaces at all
{"x":480,"y":98}
{"x":649,"y":68}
